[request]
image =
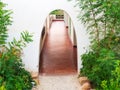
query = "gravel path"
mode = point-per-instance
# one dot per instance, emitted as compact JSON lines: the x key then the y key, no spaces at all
{"x":67,"y":82}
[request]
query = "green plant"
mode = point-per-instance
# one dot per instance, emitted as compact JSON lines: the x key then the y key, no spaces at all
{"x":113,"y":83}
{"x":57,"y":12}
{"x":5,"y":20}
{"x":13,"y":76}
{"x":98,"y":67}
{"x":102,"y":19}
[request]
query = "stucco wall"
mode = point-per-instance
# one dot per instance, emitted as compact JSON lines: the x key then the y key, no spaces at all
{"x":31,"y":14}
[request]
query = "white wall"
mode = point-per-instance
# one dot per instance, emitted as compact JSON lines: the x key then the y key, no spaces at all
{"x":31,"y":14}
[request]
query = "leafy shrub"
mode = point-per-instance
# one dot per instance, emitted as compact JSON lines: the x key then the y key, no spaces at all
{"x":113,"y":83}
{"x":13,"y":76}
{"x":100,"y":67}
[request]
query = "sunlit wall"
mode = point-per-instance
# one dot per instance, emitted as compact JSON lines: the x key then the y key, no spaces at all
{"x":31,"y":14}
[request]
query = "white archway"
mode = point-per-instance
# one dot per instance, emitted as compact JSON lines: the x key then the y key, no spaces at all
{"x":31,"y":14}
{"x":69,"y":27}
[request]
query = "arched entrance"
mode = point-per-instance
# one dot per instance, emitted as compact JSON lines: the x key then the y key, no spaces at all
{"x":58,"y":45}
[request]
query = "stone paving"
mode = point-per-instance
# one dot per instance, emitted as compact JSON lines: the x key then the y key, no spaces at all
{"x":64,"y":82}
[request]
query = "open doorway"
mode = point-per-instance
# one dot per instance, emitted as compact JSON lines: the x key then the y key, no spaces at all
{"x":58,"y":45}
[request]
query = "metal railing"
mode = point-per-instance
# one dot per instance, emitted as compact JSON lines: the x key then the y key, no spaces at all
{"x":59,"y":16}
